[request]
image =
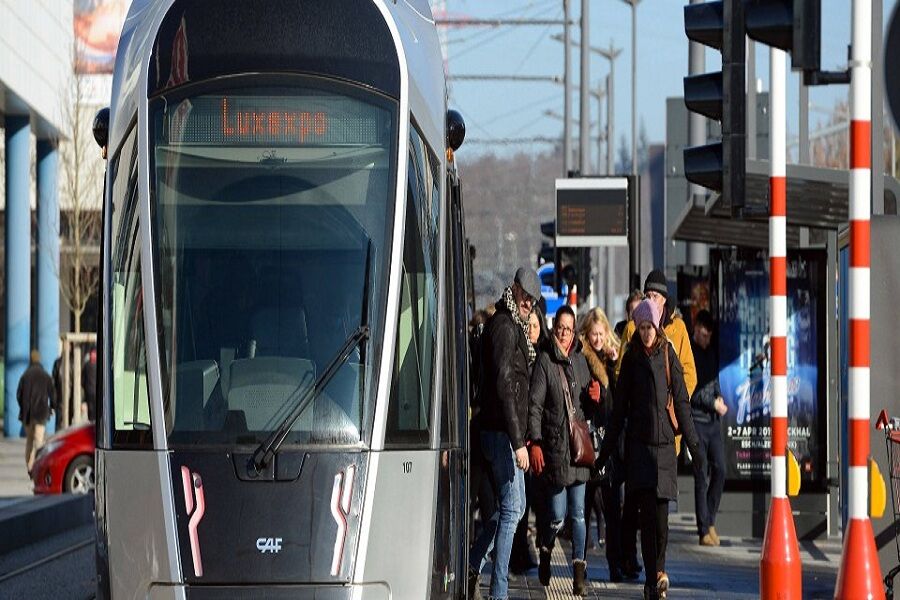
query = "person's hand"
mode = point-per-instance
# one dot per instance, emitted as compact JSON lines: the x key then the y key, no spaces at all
{"x":537,"y":459}
{"x":594,"y":390}
{"x":522,"y":458}
{"x":720,"y":406}
{"x":699,"y":461}
{"x":613,"y":353}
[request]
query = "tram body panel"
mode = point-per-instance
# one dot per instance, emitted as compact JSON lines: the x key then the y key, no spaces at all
{"x":401,"y":522}
{"x":137,"y":519}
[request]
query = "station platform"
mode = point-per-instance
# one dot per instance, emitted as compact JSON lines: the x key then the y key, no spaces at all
{"x":728,"y":572}
{"x":14,"y":479}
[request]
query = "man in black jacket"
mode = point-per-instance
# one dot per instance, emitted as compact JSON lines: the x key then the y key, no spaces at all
{"x":708,"y":408}
{"x":37,"y":398}
{"x":507,"y":354}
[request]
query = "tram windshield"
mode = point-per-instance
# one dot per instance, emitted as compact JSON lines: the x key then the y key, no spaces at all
{"x":269,"y":204}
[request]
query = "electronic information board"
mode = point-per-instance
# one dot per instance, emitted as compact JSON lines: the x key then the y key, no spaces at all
{"x":592,"y":211}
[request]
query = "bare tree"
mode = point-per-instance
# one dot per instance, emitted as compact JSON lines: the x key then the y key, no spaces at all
{"x":80,"y":200}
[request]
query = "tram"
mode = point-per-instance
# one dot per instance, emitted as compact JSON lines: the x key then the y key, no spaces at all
{"x":286,"y":284}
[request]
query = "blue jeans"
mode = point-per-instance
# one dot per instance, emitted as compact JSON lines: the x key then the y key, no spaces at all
{"x":498,"y":531}
{"x":563,"y":502}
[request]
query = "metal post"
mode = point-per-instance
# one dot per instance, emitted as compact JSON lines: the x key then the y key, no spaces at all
{"x":610,"y":124}
{"x":780,"y":571}
{"x":584,"y":134}
{"x":634,"y":165}
{"x":47,"y":258}
{"x":567,"y":94}
{"x":860,"y":572}
{"x":697,"y":253}
{"x":66,"y":400}
{"x":876,"y":43}
{"x":601,"y":96}
{"x":751,"y":100}
{"x":803,"y":154}
{"x":18,"y":267}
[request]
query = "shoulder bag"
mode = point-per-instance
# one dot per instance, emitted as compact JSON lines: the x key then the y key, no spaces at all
{"x":580,"y":441}
{"x":670,"y":399}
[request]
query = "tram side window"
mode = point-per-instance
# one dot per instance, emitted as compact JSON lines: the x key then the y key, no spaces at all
{"x":131,"y":399}
{"x":412,"y":388}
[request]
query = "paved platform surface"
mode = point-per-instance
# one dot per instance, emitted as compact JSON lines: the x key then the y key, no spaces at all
{"x":14,"y":479}
{"x":729,"y":572}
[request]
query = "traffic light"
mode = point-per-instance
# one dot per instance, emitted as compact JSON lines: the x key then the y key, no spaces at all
{"x":794,"y":26}
{"x":720,"y":96}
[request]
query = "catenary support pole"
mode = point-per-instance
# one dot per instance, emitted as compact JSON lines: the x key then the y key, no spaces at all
{"x":584,"y":98}
{"x":860,"y":572}
{"x":697,"y":252}
{"x":780,"y":575}
{"x":567,"y":93}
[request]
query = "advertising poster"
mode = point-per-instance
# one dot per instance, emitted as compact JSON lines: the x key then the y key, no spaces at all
{"x":98,"y":24}
{"x":742,"y":281}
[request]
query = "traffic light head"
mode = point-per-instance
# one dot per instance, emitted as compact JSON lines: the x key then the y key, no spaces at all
{"x":720,"y":96}
{"x":794,"y":26}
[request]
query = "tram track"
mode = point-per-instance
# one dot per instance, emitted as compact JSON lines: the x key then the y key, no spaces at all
{"x":58,"y":554}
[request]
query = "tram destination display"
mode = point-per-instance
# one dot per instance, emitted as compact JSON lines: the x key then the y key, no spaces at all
{"x":741,"y":287}
{"x":592,"y":211}
{"x":275,"y":120}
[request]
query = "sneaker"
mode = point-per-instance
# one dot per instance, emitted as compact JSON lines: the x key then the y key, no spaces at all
{"x":544,"y":566}
{"x":662,"y":583}
{"x":707,"y":540}
{"x":714,"y":534}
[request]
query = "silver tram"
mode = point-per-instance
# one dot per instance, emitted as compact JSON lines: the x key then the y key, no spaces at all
{"x":285,"y":295}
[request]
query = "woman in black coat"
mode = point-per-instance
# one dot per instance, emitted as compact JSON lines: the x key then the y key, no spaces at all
{"x":650,"y":460}
{"x":560,"y":364}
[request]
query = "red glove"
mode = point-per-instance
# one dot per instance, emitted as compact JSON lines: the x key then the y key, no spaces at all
{"x":537,"y":459}
{"x":594,"y":390}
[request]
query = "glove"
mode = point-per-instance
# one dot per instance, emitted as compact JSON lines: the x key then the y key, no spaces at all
{"x":700,"y":463}
{"x":537,"y":459}
{"x":594,"y":390}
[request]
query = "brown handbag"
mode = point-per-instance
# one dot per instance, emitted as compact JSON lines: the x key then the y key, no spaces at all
{"x":579,"y":437}
{"x":670,"y":399}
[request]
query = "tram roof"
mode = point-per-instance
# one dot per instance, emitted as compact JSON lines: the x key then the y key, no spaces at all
{"x":412,"y":23}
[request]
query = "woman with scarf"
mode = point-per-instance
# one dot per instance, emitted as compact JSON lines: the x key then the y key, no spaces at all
{"x":603,"y":496}
{"x":650,"y":370}
{"x":560,"y":377}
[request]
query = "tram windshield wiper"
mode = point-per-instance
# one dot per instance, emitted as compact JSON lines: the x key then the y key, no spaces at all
{"x":263,"y":454}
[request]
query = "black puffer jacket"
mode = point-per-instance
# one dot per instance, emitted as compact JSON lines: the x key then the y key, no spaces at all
{"x":548,"y":419}
{"x":603,"y":371}
{"x":504,"y":394}
{"x":650,"y":460}
{"x":36,"y":395}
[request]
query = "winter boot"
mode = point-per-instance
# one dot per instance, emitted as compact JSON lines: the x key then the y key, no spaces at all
{"x":714,"y":534}
{"x":662,"y":584}
{"x":579,"y":569}
{"x":544,"y":566}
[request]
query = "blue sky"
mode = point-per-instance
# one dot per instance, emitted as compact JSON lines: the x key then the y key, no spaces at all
{"x":517,"y":109}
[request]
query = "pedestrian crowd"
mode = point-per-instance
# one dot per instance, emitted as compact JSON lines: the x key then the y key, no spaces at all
{"x":582,"y":420}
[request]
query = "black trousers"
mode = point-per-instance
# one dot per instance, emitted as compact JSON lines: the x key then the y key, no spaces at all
{"x":629,"y":530}
{"x":606,"y":496}
{"x":653,"y":515}
{"x":708,"y":492}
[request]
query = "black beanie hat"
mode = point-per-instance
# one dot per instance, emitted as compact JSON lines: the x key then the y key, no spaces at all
{"x":656,"y":282}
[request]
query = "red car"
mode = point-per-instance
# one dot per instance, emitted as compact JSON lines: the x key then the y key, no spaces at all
{"x":65,"y":463}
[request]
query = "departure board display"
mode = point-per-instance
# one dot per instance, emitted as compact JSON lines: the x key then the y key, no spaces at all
{"x":592,"y":211}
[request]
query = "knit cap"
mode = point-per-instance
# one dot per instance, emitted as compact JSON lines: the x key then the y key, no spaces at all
{"x":646,"y":311}
{"x":656,"y":282}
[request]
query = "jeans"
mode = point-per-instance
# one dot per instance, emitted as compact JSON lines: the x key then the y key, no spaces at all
{"x":509,"y":487}
{"x":563,"y":502}
{"x":708,"y":494}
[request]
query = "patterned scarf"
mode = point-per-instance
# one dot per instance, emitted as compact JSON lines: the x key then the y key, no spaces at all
{"x":510,"y":303}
